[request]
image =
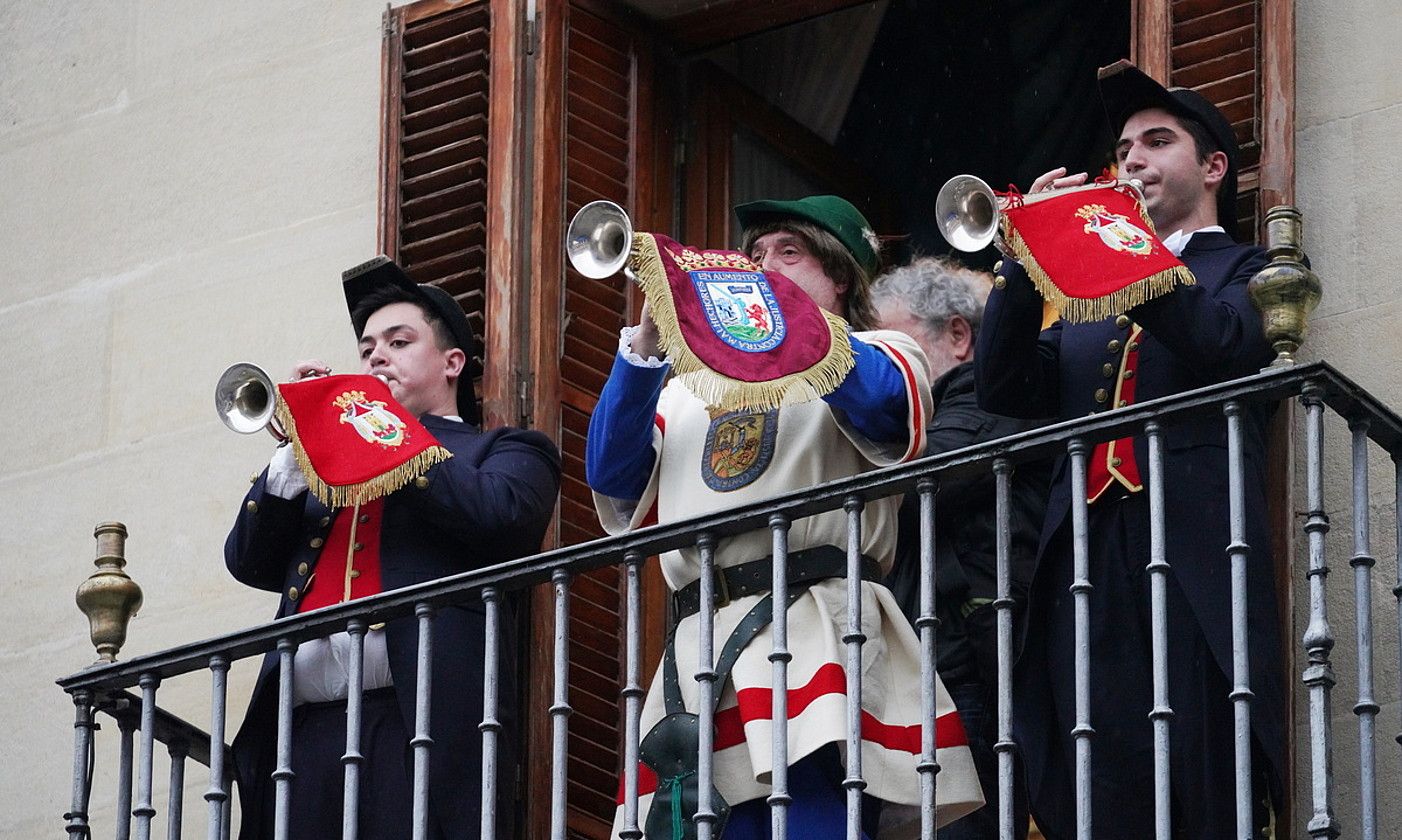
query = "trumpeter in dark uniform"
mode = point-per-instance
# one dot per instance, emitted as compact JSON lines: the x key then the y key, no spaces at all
{"x":490,"y":502}
{"x":1184,"y":152}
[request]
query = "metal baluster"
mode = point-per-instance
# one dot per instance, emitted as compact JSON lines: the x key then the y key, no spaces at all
{"x":854,"y":639}
{"x":1397,"y":561}
{"x":179,"y":751}
{"x":1003,"y":606}
{"x":126,"y":727}
{"x":282,"y":775}
{"x":218,"y":794}
{"x":560,"y":709}
{"x":1082,"y":732}
{"x":632,"y":693}
{"x":928,"y":767}
{"x":1162,"y":713}
{"x":1319,"y":638}
{"x":706,"y":688}
{"x":144,"y":810}
{"x":1362,"y":563}
{"x":780,"y":658}
{"x":491,"y":725}
{"x":422,"y":742}
{"x":83,"y":726}
{"x":1238,"y":551}
{"x":355,"y":711}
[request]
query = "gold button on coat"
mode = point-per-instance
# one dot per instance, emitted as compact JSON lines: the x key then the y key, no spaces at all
{"x":293,"y":594}
{"x":999,"y":281}
{"x":359,"y":546}
{"x":998,"y":266}
{"x":1129,"y":374}
{"x":1108,"y":369}
{"x":1123,"y":403}
{"x":1101,"y":395}
{"x":317,"y":542}
{"x":251,"y":507}
{"x":302,"y":569}
{"x":1115,"y":462}
{"x":253,"y":479}
{"x":364,"y":517}
{"x":1113,"y":346}
{"x":1122,"y":321}
{"x":421,"y":482}
{"x":355,"y":573}
{"x":1133,"y":345}
{"x":325,"y":520}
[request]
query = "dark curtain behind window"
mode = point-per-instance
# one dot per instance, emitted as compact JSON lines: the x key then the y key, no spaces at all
{"x":1003,"y":90}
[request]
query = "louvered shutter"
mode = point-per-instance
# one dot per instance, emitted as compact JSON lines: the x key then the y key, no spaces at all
{"x":590,"y":73}
{"x":434,"y":192}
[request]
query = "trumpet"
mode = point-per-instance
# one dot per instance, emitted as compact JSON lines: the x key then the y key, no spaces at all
{"x":968,"y":211}
{"x":599,"y":240}
{"x":246,"y":400}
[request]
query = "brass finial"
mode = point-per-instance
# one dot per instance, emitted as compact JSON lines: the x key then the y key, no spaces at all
{"x":1286,"y":290}
{"x":109,"y":597}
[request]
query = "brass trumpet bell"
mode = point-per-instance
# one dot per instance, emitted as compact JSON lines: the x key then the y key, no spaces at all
{"x":599,"y":239}
{"x":245,"y":399}
{"x":967,"y":212}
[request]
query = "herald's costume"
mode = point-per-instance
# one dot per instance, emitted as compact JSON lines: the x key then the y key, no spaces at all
{"x":488,"y":503}
{"x":1191,"y":337}
{"x":702,"y":460}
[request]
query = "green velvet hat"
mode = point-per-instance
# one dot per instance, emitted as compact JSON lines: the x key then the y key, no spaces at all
{"x":829,"y":212}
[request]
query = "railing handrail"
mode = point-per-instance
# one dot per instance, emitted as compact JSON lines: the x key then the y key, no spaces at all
{"x":1339,"y":392}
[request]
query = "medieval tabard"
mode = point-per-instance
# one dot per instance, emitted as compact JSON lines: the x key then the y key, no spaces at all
{"x":708,"y":460}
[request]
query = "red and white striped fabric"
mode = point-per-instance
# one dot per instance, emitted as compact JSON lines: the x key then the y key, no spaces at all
{"x":711,"y":460}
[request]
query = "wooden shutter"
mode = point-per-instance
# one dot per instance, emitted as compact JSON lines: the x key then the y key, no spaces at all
{"x":595,"y":140}
{"x":1239,"y":54}
{"x":436,"y":192}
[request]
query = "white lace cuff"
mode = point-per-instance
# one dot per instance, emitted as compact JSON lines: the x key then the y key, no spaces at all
{"x":625,"y":349}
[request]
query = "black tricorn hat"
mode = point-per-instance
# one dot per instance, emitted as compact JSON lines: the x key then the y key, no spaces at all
{"x":1126,"y":90}
{"x":381,"y":273}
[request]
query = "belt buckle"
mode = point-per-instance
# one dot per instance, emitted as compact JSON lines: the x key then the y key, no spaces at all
{"x":722,"y":588}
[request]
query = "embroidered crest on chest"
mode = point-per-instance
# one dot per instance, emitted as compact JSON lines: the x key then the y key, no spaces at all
{"x":739,"y":447}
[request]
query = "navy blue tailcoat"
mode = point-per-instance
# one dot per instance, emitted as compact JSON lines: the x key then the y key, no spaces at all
{"x":1194,"y":336}
{"x":489,"y":503}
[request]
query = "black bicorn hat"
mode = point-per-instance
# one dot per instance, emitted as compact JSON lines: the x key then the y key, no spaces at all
{"x":1127,"y":90}
{"x":382,"y":272}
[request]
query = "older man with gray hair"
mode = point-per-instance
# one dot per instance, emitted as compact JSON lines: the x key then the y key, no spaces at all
{"x":939,"y":303}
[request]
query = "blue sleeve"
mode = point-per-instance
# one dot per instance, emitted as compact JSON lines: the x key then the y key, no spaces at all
{"x":873,"y":396}
{"x":618,"y":453}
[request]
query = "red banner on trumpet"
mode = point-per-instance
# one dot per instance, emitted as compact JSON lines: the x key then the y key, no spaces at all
{"x":353,"y":441}
{"x":1091,"y":252}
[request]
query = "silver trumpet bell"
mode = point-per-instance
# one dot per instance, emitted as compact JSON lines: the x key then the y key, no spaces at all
{"x":599,"y":239}
{"x":246,"y":398}
{"x":967,"y":212}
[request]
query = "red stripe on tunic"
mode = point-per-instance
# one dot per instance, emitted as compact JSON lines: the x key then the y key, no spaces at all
{"x":831,"y":679}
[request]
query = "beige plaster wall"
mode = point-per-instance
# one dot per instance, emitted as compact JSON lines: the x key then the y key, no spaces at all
{"x":1349,"y":101}
{"x":182,"y":182}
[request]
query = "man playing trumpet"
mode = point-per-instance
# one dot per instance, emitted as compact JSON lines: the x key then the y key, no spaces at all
{"x":1183,"y":151}
{"x":488,"y":503}
{"x":661,"y":449}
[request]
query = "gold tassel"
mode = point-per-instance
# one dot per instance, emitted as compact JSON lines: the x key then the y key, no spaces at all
{"x":1089,"y":310}
{"x":347,"y":495}
{"x":716,"y":389}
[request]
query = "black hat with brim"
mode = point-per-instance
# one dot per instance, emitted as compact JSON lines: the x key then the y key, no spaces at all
{"x":1126,"y":90}
{"x":382,"y":272}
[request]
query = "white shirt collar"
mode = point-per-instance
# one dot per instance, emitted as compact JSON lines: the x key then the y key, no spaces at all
{"x":1178,"y":240}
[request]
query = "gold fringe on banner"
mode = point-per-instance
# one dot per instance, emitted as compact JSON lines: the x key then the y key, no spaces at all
{"x":348,"y":495}
{"x":716,"y":389}
{"x":1089,"y":310}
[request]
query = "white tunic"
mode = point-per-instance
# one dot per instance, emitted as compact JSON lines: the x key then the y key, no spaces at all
{"x":707,"y":463}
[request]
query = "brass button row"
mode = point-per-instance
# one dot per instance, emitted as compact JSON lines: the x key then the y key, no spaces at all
{"x":1122,"y":321}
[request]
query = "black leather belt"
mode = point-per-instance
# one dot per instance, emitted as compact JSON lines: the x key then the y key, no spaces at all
{"x":756,"y":576}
